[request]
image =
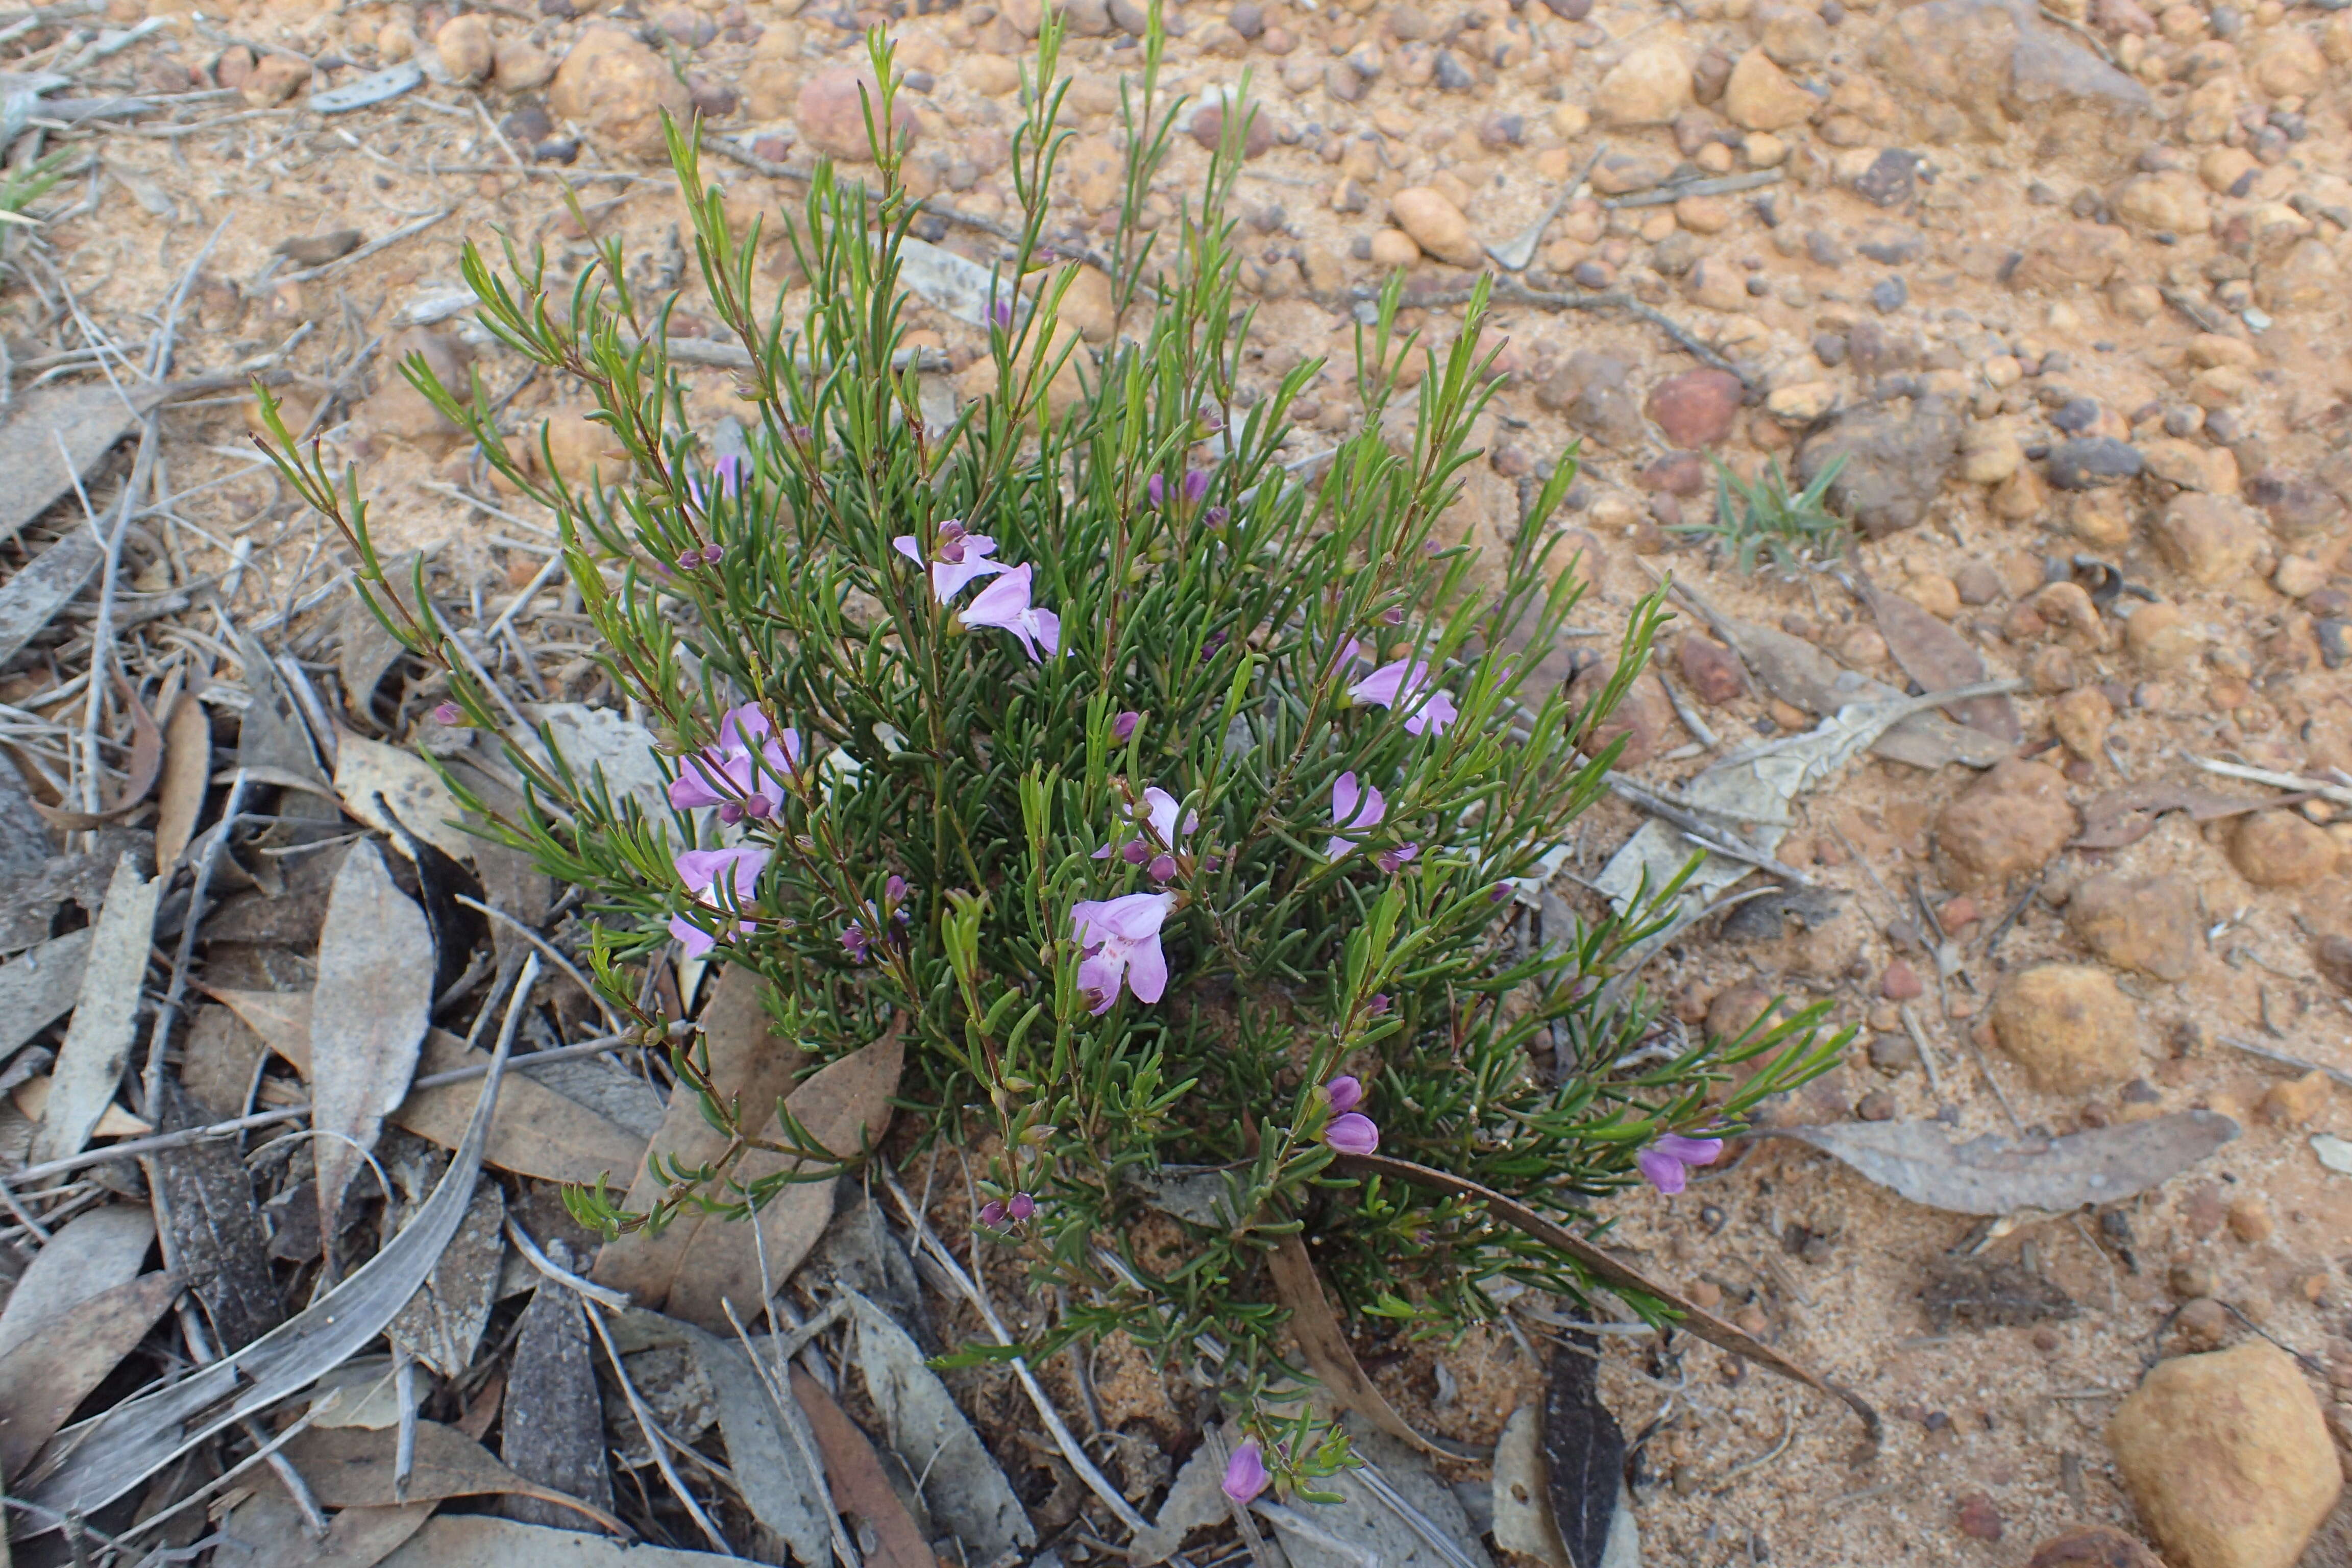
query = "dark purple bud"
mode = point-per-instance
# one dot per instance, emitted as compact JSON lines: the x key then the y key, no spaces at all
{"x":688,"y":559}
{"x":1217,"y":516}
{"x":1135,"y":852}
{"x":712,"y":554}
{"x":730,"y":811}
{"x":992,"y":1214}
{"x":447,"y":713}
{"x":1196,"y":486}
{"x":1377,"y":1004}
{"x":1500,"y":891}
{"x":1021,"y":1207}
{"x":1162,"y":868}
{"x":1208,"y":650}
{"x":758,"y":807}
{"x":1122,"y":729}
{"x":1155,"y":489}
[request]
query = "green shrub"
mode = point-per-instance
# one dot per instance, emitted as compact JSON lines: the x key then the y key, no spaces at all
{"x":1205,"y":792}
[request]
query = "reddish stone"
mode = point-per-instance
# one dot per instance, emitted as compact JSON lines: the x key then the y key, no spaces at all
{"x":1979,"y":1521}
{"x":1901,"y":983}
{"x":1958,"y":912}
{"x":1695,"y":408}
{"x":1676,"y":474}
{"x":2092,"y":1546}
{"x":1209,"y":130}
{"x":1710,"y":670}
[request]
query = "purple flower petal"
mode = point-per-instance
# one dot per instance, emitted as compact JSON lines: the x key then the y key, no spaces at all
{"x":1345,"y":1092}
{"x":1354,"y":1133}
{"x":1663,"y":1170}
{"x":1690,"y":1151}
{"x":1245,"y":1474}
{"x":992,"y":1214}
{"x":692,"y":940}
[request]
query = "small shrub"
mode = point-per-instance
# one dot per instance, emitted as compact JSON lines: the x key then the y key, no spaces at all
{"x":1797,"y":530}
{"x":1171,"y":804}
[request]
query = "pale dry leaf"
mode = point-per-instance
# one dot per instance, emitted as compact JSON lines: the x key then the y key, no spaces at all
{"x":93,"y":1464}
{"x":187,"y":774}
{"x":375,"y":780}
{"x":961,"y":1482}
{"x":363,"y":1391}
{"x":366,"y":651}
{"x":37,"y":988}
{"x":444,"y":1320}
{"x":1195,"y":1501}
{"x":844,"y":1106}
{"x":962,"y":289}
{"x":537,"y":1132}
{"x":97,"y":1042}
{"x":478,"y":1540}
{"x":748,"y":1061}
{"x":375,"y":1003}
{"x":86,"y":1256}
{"x":1991,"y":1175}
{"x":1522,"y":1519}
{"x":86,"y":419}
{"x":268,"y":1531}
{"x":2332,"y":1152}
{"x":767,"y":1460}
{"x":351,"y":1467}
{"x":32,"y":1096}
{"x":859,"y":1484}
{"x":44,"y":1378}
{"x":1366,"y":1528}
{"x":1800,"y":674}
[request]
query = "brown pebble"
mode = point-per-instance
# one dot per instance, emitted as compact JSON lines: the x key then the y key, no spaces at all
{"x":2189,"y":1277}
{"x":1901,"y":983}
{"x":2203,"y":1210}
{"x":2045,"y":1341}
{"x":2250,"y":1219}
{"x":2203,"y":1324}
{"x":2092,"y":1546}
{"x":1710,"y":670}
{"x":2296,"y":1103}
{"x":1979,"y":1521}
{"x":1750,"y":1320}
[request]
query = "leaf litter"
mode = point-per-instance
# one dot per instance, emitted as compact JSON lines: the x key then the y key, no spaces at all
{"x":1992,"y":1175}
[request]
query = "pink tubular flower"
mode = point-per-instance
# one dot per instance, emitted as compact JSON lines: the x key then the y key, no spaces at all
{"x":1004,"y":605}
{"x":1391,"y":860}
{"x":447,"y":713}
{"x":956,"y":558}
{"x":1345,"y":1092}
{"x":1122,"y":729}
{"x":1354,"y":1133}
{"x":1665,"y":1164}
{"x":703,"y":872}
{"x":725,"y":774}
{"x":1245,"y":1474}
{"x":1121,"y":938}
{"x":1356,"y":809}
{"x":1401,"y":683}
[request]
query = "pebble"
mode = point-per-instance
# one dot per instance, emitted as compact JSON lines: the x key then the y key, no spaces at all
{"x":618,"y":89}
{"x":2249,"y":1218}
{"x":521,"y":65}
{"x":2070,"y":1026}
{"x":2280,"y":849}
{"x":273,"y":80}
{"x":466,"y":49}
{"x":1209,"y":129}
{"x":2298,"y":1101}
{"x":1436,"y":225}
{"x":2149,"y":924}
{"x":2203,"y":1324}
{"x":2089,"y":462}
{"x":1901,"y":983}
{"x":2227,"y":1458}
{"x":1892,"y":179}
{"x":1978,"y":1519}
{"x":1876,"y":1106}
{"x":1695,"y":408}
{"x":2011,"y":820}
{"x":1893,"y":1054}
{"x":2332,"y":956}
{"x":1895,"y":461}
{"x":2209,"y":539}
{"x":1709,"y":669}
{"x":2081,"y":716}
{"x":1648,"y":87}
{"x":1760,"y":97}
{"x":2162,"y":639}
{"x":2075,"y":415}
{"x":2094,"y":1545}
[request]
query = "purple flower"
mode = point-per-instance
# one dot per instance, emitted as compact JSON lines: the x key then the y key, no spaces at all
{"x":1390,"y":860}
{"x":1162,"y":868}
{"x":1376,"y":1005}
{"x":1353,"y":807}
{"x":1021,"y":1207}
{"x":1196,"y":487}
{"x":448,"y":713}
{"x":1155,"y":489}
{"x":1498,"y":893}
{"x":688,"y":559}
{"x":727,"y":777}
{"x":1216,"y":517}
{"x":860,"y":945}
{"x":1004,"y":605}
{"x":992,"y":1214}
{"x":1209,"y":649}
{"x":1345,"y":1092}
{"x":1121,"y":938}
{"x":1245,"y":1474}
{"x":1666,"y":1163}
{"x":1354,"y":1133}
{"x":1122,"y":729}
{"x":1160,"y":828}
{"x":1401,"y":684}
{"x":956,"y":558}
{"x":1000,"y":314}
{"x":704,"y":872}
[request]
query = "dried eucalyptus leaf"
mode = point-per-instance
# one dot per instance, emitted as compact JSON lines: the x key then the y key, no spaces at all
{"x":765,"y":1456}
{"x":91,"y":1255}
{"x":1522,"y":1519}
{"x":962,"y":1483}
{"x":1583,"y":1457}
{"x":595,"y":740}
{"x":1992,"y":1175}
{"x":443,"y":1323}
{"x":1195,"y":1501}
{"x":960,"y":287}
{"x":1392,"y":1513}
{"x":374,"y":1004}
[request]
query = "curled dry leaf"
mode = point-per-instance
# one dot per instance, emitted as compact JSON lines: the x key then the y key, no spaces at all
{"x":187,"y":774}
{"x":97,"y":1042}
{"x":962,"y":1484}
{"x":1992,"y":1175}
{"x":768,"y":1460}
{"x":37,"y":988}
{"x":859,"y":1486}
{"x":478,"y":1540}
{"x":267,"y":1531}
{"x":375,"y":1003}
{"x":145,"y":762}
{"x":1330,"y":1357}
{"x":1194,"y":1502}
{"x":2124,"y":817}
{"x":1611,"y":1269}
{"x":91,"y":1255}
{"x":538,"y":1132}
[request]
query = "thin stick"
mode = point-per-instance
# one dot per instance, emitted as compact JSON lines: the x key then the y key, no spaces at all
{"x":159,"y":1035}
{"x":1096,"y":1482}
{"x":617,"y":1299}
{"x":649,"y":1429}
{"x":2320,"y":787}
{"x":406,"y":230}
{"x":541,"y":943}
{"x":2283,"y":1059}
{"x":843,"y":1547}
{"x":1927,"y":1051}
